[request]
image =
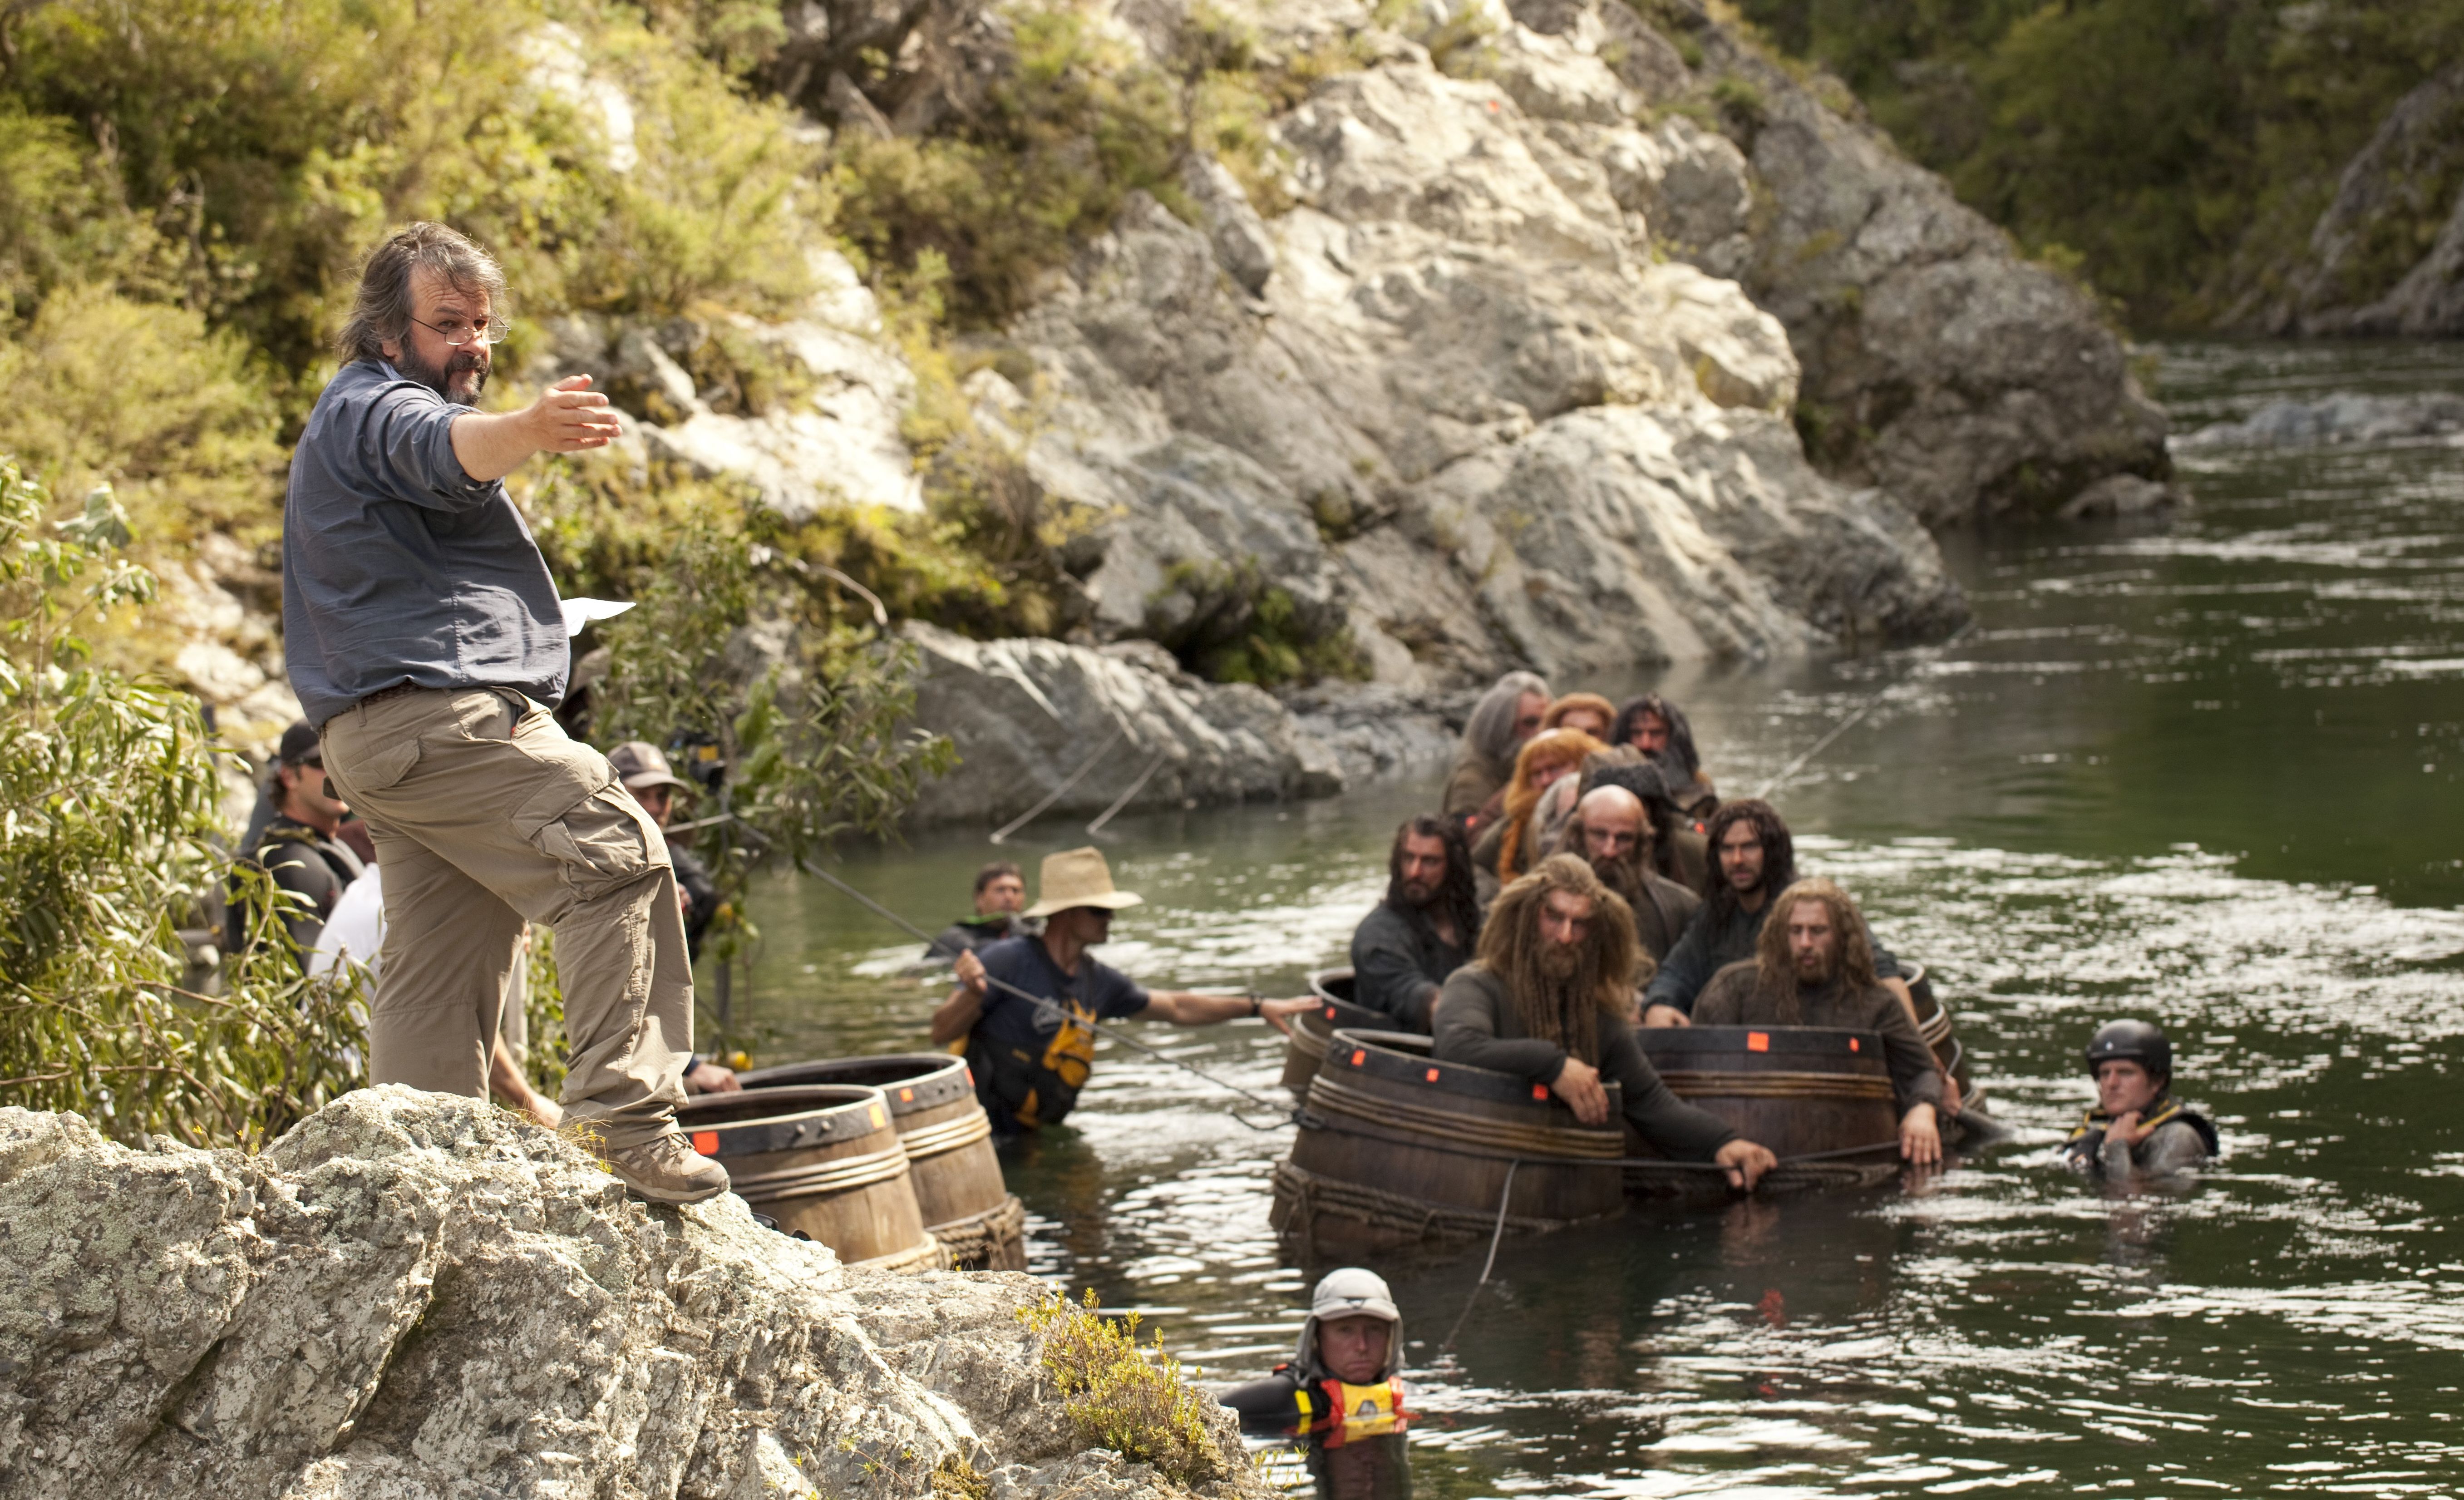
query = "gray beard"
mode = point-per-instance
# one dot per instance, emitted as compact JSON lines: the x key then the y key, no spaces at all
{"x":439,"y":380}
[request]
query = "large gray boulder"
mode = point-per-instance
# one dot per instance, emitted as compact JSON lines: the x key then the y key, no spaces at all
{"x":412,"y":1297}
{"x":1032,"y":717}
{"x":1468,"y":416}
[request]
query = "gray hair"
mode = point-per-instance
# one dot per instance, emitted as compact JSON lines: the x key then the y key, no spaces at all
{"x":381,"y":309}
{"x":1489,"y":732}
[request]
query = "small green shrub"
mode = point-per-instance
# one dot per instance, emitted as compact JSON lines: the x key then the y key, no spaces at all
{"x":109,"y":804}
{"x":1247,"y":630}
{"x":1120,"y":1395}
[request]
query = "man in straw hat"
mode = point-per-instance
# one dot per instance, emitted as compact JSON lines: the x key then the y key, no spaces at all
{"x":1031,"y":1058}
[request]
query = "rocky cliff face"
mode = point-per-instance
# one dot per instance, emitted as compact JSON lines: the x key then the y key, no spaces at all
{"x":2386,"y":257}
{"x":410,"y":1296}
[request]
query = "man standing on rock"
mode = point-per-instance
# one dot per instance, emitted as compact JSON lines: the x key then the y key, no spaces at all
{"x":426,"y":643}
{"x":1031,"y":1037}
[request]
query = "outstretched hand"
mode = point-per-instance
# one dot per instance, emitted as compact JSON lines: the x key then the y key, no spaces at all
{"x":1279,"y":1012}
{"x":569,"y":417}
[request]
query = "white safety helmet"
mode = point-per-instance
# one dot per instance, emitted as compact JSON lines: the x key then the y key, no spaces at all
{"x":1351,"y":1292}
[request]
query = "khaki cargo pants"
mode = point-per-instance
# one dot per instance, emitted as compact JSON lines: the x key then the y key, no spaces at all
{"x":486,"y":815}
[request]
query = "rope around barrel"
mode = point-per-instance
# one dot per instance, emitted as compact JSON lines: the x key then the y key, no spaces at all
{"x":933,"y":1141}
{"x":972,"y":1243}
{"x":837,"y":1176}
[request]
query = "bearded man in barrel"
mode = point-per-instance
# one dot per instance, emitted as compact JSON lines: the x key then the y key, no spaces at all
{"x":1813,"y":967}
{"x":1611,"y":830}
{"x":1547,"y":999}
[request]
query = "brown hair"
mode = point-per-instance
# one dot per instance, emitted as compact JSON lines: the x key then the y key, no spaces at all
{"x":1572,"y":701}
{"x":1547,"y":748}
{"x":1564,"y":1011}
{"x":1779,"y":851}
{"x":382,"y":308}
{"x":1775,"y":967}
{"x":994,"y":872}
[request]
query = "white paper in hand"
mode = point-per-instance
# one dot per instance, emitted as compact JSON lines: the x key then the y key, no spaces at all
{"x":578,"y":612}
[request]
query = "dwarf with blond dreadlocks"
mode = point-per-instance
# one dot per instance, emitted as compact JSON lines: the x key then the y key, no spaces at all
{"x":1813,"y":967}
{"x":1548,"y":1000}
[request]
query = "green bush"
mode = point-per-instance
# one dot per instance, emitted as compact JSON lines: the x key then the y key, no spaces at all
{"x":108,"y":807}
{"x":1119,"y":1395}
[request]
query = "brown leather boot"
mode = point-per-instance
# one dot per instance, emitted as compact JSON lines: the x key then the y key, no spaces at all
{"x":666,"y":1169}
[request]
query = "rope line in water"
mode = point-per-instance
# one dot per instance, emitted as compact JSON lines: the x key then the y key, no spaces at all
{"x":1054,"y":1007}
{"x":1135,"y":787}
{"x":1037,"y":811}
{"x":1872,"y":701}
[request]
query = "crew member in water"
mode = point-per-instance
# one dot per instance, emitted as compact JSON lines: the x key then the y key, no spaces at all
{"x":1424,"y":931}
{"x":1813,"y":967}
{"x":2137,"y":1130}
{"x":1612,"y":833}
{"x":1547,"y":999}
{"x":1001,"y":897}
{"x":1341,"y":1395}
{"x":1754,"y":858}
{"x":1031,"y":1057}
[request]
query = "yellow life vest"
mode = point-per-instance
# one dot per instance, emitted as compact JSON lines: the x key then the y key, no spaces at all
{"x":1342,"y":1411}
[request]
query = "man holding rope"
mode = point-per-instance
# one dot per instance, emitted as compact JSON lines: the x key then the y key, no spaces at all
{"x":1031,"y":1057}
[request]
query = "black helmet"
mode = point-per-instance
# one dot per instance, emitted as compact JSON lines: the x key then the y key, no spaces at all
{"x":2131,"y":1042}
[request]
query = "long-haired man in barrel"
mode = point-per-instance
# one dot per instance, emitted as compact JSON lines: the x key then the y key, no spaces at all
{"x":1548,"y":1000}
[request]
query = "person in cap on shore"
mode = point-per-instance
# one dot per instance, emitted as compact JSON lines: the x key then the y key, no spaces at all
{"x":1031,"y":1057}
{"x":1343,"y":1372}
{"x":645,"y":772}
{"x":426,"y":643}
{"x":1001,"y":897}
{"x":1507,"y":714}
{"x":2137,"y":1128}
{"x":300,"y":847}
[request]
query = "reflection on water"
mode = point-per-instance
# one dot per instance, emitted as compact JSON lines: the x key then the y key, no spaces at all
{"x":2205,"y":774}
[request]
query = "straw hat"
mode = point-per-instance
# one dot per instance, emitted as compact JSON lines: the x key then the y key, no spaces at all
{"x":1078,"y":878}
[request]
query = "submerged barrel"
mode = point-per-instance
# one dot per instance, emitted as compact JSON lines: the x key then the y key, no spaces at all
{"x":949,"y":1142}
{"x":1396,"y":1147}
{"x":1313,"y":1030}
{"x":823,"y":1160}
{"x":1800,"y":1091}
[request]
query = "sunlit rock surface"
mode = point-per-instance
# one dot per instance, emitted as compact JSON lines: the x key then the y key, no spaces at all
{"x":412,"y":1295}
{"x":1032,"y":717}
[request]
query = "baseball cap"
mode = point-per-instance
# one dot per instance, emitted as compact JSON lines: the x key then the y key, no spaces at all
{"x":301,"y":745}
{"x":638,"y":763}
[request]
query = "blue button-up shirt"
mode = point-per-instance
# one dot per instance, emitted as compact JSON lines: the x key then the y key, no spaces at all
{"x":400,"y":568}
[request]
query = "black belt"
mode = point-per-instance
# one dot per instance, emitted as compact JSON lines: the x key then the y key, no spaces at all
{"x":394,"y":691}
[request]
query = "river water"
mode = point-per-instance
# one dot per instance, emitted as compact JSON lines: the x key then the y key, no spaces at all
{"x":2204,"y":772}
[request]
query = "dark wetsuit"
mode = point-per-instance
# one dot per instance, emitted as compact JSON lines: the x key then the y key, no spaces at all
{"x":1477,"y":1024}
{"x":1354,"y":1434}
{"x":975,"y":934}
{"x":1398,"y":963}
{"x":2182,"y":1141}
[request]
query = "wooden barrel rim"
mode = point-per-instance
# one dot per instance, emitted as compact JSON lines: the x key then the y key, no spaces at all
{"x":1775,"y":1085}
{"x":1339,"y":1011}
{"x":1911,"y":973}
{"x":784,"y":1119}
{"x":1935,"y":1028}
{"x":1403,"y":1057}
{"x":814,"y":1180}
{"x":1674,"y":1042}
{"x":1573,"y":1142}
{"x":908,"y":1081}
{"x":924,"y":1254}
{"x":933,"y":1141}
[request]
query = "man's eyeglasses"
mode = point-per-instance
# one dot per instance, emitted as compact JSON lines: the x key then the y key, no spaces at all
{"x":458,"y":333}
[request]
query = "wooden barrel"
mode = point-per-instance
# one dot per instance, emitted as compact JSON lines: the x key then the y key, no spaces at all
{"x":949,"y":1142}
{"x":1797,"y":1090}
{"x":1312,"y":1029}
{"x":823,"y":1160}
{"x":1933,"y":1024}
{"x":1394,"y":1149}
